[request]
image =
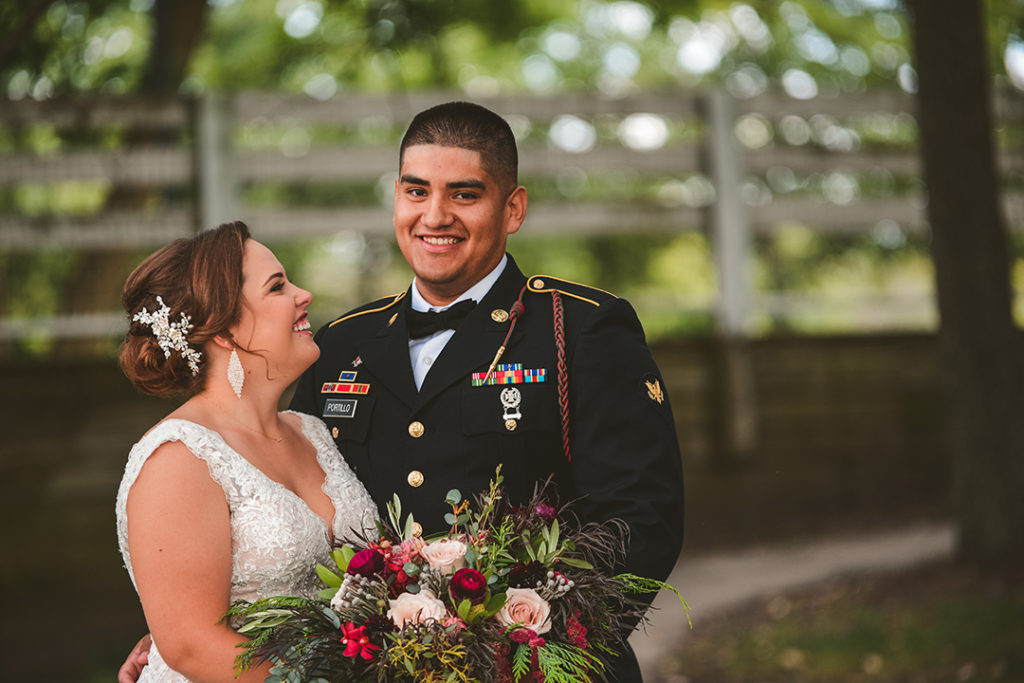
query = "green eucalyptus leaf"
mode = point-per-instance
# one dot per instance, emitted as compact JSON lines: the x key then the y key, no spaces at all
{"x":575,"y":562}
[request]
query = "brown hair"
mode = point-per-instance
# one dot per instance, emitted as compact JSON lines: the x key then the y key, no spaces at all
{"x":468,"y":126}
{"x":199,"y":276}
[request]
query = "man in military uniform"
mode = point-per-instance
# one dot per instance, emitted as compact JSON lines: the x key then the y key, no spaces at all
{"x":419,"y":404}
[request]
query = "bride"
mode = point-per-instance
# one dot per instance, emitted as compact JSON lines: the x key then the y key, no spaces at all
{"x":226,"y":498}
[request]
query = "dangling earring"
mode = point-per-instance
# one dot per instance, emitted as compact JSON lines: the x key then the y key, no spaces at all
{"x":236,"y":375}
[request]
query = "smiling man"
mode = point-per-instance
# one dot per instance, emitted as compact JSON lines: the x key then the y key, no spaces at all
{"x":420,"y":400}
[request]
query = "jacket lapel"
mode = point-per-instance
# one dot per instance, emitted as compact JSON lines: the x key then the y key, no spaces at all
{"x":386,"y":356}
{"x":477,"y":339}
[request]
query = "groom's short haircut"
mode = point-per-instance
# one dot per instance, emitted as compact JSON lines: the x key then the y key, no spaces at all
{"x":468,"y":126}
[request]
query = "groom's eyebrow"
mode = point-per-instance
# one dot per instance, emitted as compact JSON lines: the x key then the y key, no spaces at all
{"x":471,"y":183}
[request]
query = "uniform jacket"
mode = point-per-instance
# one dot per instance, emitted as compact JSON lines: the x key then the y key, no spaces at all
{"x":625,"y":460}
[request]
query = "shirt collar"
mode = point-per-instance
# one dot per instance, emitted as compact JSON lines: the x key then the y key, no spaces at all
{"x":477,"y":292}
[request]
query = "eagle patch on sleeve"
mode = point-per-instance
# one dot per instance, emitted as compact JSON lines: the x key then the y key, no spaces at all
{"x":652,"y":387}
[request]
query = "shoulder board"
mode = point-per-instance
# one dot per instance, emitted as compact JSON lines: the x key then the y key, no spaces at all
{"x":546,"y":283}
{"x":373,"y":307}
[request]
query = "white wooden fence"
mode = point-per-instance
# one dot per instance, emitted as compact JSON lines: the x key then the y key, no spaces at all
{"x":218,"y":146}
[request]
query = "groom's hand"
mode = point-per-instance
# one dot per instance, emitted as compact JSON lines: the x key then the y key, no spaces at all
{"x":137,"y":658}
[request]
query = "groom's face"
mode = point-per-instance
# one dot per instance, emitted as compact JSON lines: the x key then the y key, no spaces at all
{"x":452,"y":219}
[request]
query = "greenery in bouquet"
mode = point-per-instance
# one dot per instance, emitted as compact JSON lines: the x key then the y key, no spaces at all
{"x":508,"y":594}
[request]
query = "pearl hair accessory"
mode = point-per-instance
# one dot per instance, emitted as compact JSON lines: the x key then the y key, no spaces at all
{"x":170,"y":336}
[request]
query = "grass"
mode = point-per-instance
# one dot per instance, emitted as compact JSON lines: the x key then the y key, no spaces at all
{"x":936,"y":623}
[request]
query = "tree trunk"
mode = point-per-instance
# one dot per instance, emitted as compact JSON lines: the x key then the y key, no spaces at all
{"x":981,"y":346}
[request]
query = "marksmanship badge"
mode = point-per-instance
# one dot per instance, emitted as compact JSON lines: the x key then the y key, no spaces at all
{"x":510,"y":400}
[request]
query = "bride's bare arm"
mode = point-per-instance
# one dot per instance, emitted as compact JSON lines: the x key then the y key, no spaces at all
{"x":179,"y":537}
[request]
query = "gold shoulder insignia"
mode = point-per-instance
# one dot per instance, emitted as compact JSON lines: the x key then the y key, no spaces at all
{"x":394,"y":300}
{"x":547,"y":283}
{"x":654,"y":391}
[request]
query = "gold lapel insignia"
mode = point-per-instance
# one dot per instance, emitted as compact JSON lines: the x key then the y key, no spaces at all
{"x":654,"y":391}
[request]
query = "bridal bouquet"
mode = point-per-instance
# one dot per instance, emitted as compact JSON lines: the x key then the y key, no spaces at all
{"x":508,"y":594}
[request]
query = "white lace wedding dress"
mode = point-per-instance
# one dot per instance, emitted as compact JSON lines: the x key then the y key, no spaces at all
{"x":276,"y":539}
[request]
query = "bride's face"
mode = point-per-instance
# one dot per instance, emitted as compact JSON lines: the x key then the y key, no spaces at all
{"x":273,"y":321}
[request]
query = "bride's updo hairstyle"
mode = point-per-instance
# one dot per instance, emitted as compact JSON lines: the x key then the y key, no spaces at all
{"x":199,"y":276}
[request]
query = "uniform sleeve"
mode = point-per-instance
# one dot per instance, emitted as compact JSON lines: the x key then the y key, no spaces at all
{"x":625,"y":453}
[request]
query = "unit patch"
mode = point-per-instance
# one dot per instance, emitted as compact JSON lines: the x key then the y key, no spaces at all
{"x":347,"y":376}
{"x":344,"y":388}
{"x":340,"y":407}
{"x":510,"y":373}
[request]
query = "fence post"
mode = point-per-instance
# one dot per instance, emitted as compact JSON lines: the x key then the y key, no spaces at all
{"x":216,"y":179}
{"x":735,"y":428}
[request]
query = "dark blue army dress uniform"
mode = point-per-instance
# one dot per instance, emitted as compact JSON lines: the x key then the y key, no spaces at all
{"x":457,"y":428}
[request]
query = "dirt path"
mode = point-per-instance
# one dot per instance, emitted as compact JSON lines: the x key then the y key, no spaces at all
{"x":716,"y":582}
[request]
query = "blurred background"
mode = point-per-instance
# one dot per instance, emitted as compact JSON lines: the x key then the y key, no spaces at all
{"x":753,"y":176}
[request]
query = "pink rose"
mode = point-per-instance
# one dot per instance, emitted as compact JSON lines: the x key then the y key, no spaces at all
{"x":525,"y":607}
{"x":415,"y":608}
{"x":446,"y":555}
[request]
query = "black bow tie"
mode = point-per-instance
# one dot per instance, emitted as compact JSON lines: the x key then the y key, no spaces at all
{"x":423,"y":324}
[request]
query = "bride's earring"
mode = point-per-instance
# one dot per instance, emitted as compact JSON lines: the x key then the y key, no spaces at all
{"x":236,"y":375}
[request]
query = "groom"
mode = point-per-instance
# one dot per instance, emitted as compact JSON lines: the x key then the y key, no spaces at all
{"x":417,"y":404}
{"x":544,"y":376}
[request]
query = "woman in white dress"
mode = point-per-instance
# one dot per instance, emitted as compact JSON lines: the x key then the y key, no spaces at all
{"x":226,"y":498}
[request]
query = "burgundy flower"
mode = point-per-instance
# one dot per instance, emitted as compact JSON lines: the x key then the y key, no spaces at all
{"x":522,"y":636}
{"x":577,"y":632}
{"x":356,"y":642}
{"x":468,"y":584}
{"x":366,"y":562}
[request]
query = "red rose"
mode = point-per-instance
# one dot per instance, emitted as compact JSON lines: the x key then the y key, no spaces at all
{"x":366,"y":562}
{"x":468,"y":584}
{"x":400,"y":579}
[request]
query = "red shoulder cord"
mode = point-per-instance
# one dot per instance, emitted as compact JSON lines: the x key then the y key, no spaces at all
{"x":563,"y":374}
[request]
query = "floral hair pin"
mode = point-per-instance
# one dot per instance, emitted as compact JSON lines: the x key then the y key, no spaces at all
{"x":170,"y":335}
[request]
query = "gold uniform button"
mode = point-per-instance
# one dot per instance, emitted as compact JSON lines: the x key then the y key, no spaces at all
{"x":415,"y":429}
{"x":334,"y":432}
{"x":499,"y":316}
{"x":417,"y":529}
{"x":415,"y":479}
{"x":538,"y":283}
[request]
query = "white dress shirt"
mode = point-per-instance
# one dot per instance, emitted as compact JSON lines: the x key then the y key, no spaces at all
{"x":423,"y":352}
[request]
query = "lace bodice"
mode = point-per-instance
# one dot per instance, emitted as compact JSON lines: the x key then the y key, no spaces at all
{"x":276,"y":539}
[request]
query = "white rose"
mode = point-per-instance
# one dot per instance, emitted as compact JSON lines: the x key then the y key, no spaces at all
{"x":525,"y":607}
{"x":415,"y":608}
{"x":446,"y":555}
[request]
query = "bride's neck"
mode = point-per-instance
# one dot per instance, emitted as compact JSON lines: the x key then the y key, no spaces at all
{"x":257,"y":413}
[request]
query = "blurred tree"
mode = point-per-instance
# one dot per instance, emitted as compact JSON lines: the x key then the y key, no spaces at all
{"x":980,"y":342}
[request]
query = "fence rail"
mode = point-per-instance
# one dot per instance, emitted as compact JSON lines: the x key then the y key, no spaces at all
{"x":208,"y":155}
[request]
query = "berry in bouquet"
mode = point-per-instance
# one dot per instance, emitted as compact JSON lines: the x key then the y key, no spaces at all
{"x":507,"y":594}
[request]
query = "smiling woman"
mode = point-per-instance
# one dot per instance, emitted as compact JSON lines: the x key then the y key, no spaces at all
{"x":226,"y":498}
